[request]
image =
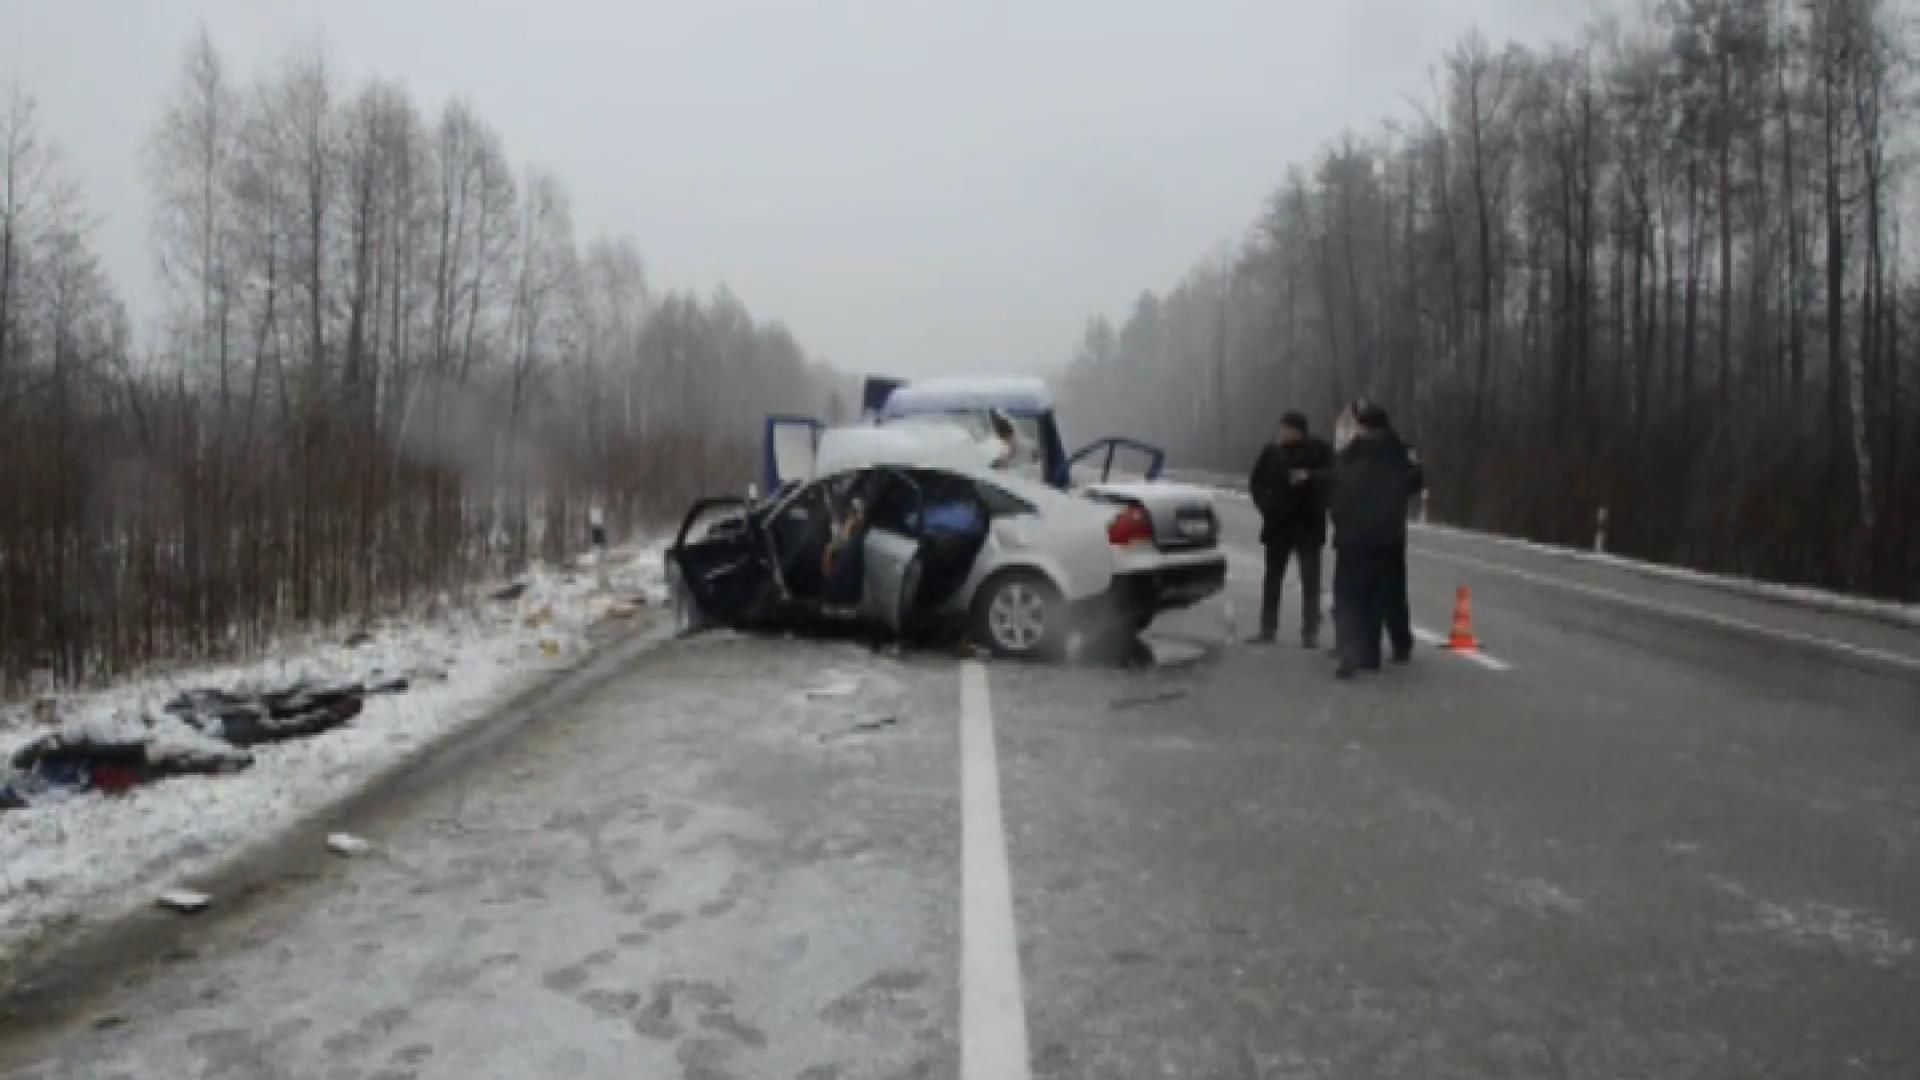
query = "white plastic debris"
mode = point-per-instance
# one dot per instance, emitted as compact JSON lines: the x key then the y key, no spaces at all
{"x":347,"y":844}
{"x":832,"y":690}
{"x":1076,"y":646}
{"x":185,"y":901}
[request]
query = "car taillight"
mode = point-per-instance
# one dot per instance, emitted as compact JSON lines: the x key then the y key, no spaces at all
{"x":1130,"y":526}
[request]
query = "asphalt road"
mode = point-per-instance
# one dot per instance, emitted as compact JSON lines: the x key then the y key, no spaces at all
{"x":1660,"y":832}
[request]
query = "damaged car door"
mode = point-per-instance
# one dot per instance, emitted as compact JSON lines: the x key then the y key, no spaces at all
{"x":719,"y":569}
{"x":789,"y":449}
{"x":828,"y":550}
{"x":890,"y":579}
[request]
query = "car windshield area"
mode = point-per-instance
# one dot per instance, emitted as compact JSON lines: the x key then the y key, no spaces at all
{"x":1023,"y":453}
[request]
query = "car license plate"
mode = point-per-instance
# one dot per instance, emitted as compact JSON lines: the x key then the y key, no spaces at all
{"x":1196,"y":528}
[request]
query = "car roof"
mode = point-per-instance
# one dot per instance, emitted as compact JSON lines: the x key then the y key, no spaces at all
{"x":949,"y":448}
{"x":1015,"y":395}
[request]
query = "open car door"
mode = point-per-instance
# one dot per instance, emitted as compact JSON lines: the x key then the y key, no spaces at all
{"x":1116,"y":458}
{"x":789,"y":450}
{"x":892,"y":561}
{"x":717,"y":568}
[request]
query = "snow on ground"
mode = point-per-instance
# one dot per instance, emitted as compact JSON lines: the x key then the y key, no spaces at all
{"x":1820,"y":599}
{"x":79,"y":858}
{"x":1799,"y":595}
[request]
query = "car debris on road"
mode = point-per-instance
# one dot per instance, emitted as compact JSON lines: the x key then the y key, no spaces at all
{"x":1159,"y":697}
{"x":831,"y":690}
{"x":347,"y":845}
{"x":184,"y":901}
{"x":865,"y":727}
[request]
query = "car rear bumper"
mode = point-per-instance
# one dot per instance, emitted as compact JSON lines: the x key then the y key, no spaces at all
{"x":1170,"y":586}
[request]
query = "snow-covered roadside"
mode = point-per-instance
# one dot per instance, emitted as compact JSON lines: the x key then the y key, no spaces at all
{"x":1905,"y":615}
{"x":1896,"y":614}
{"x":90,"y":858}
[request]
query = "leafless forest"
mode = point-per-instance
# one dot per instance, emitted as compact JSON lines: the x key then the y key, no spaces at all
{"x":1657,"y":270}
{"x":386,"y":368}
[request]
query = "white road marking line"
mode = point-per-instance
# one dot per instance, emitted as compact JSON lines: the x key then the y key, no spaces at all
{"x":1863,"y":652}
{"x":1439,"y":642}
{"x":1255,"y":568}
{"x":993,"y":1014}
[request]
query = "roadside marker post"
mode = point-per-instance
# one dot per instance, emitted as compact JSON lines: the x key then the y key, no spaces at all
{"x":597,"y":533}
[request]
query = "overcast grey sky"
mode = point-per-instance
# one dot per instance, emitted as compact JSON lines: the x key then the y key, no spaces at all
{"x":912,"y":187}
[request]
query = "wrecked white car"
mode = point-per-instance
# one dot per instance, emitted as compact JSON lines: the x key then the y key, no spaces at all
{"x":909,"y":530}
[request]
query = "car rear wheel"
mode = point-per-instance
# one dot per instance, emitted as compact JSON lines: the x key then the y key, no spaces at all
{"x":1018,"y":616}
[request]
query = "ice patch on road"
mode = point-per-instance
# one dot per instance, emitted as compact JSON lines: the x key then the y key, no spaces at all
{"x":843,"y":688}
{"x":86,"y":858}
{"x":1539,"y":896}
{"x":1859,"y":934}
{"x":1856,"y":933}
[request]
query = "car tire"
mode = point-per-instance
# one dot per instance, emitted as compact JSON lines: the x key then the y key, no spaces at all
{"x":1018,"y":616}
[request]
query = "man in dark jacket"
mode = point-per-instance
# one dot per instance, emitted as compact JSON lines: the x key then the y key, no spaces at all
{"x":1369,"y":508}
{"x":1398,"y":615}
{"x":1289,"y":485}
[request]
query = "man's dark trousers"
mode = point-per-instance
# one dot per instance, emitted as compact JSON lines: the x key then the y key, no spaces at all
{"x":1394,"y":613}
{"x":1279,"y":551}
{"x":1362,"y":582}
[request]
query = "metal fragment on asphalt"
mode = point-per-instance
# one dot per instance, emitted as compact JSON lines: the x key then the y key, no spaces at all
{"x":866,"y":727}
{"x":347,"y":844}
{"x":185,"y":901}
{"x":1145,"y":700}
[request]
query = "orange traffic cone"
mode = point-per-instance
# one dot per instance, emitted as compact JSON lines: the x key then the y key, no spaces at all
{"x":1462,"y":640}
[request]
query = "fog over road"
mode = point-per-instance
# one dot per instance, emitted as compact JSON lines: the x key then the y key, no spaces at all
{"x":1671,"y":833}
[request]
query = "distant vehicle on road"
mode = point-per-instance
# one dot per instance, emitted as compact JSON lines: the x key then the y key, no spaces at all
{"x":908,"y":529}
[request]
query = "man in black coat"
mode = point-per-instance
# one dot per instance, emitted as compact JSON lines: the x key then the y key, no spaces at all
{"x":1397,"y":614}
{"x":1289,"y":485}
{"x":1369,"y":507}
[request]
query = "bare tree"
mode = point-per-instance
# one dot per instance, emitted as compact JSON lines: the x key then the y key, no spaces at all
{"x":387,"y":371}
{"x":191,"y":156}
{"x":1591,"y":275}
